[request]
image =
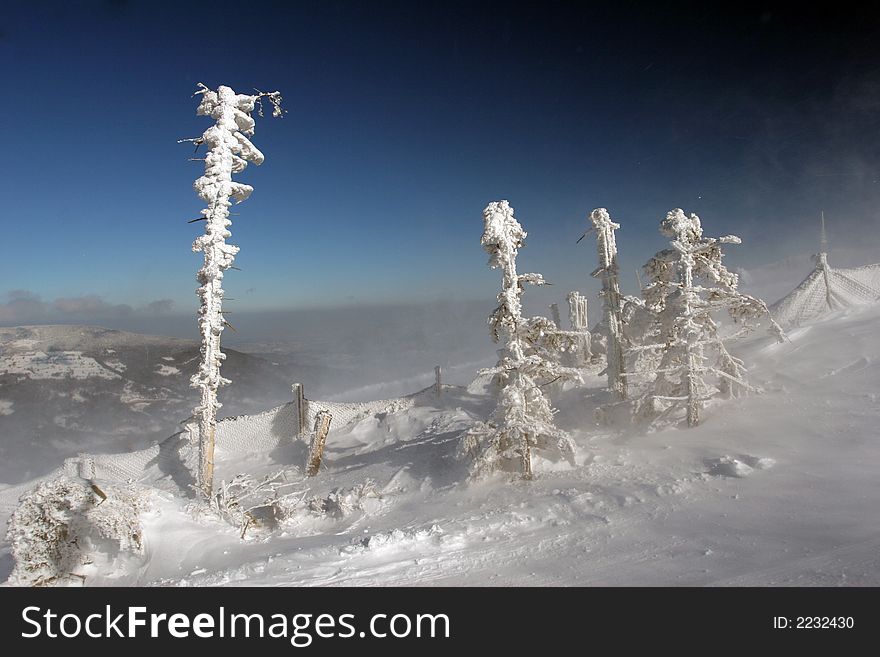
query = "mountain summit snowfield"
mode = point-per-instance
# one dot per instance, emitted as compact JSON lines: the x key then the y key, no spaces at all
{"x":772,"y":489}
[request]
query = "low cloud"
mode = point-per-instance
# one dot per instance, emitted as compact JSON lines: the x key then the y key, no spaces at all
{"x":160,"y":306}
{"x":90,"y":305}
{"x":26,"y":307}
{"x":22,"y":306}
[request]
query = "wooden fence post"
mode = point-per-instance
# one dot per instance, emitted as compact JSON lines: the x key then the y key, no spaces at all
{"x":319,"y":439}
{"x":438,"y":386}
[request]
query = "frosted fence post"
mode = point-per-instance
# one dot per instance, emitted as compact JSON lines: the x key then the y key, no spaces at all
{"x":302,"y":413}
{"x":577,"y":317}
{"x":527,"y":459}
{"x":86,"y":467}
{"x":319,"y":439}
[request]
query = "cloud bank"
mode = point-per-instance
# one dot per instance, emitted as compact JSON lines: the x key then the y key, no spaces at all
{"x":26,"y":307}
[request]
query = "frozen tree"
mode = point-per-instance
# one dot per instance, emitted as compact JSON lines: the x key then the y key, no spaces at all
{"x":611,"y":300}
{"x":229,"y":151}
{"x":687,"y":284}
{"x":523,"y":418}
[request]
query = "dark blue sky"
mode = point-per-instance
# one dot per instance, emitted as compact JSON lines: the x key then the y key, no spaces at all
{"x":405,"y":120}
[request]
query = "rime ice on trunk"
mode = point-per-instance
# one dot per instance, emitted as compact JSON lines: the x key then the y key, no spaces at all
{"x":611,"y":300}
{"x":523,"y":418}
{"x":686,"y":285}
{"x":229,"y":151}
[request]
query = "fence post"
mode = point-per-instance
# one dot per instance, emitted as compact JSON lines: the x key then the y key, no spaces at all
{"x":319,"y":439}
{"x":302,"y":411}
{"x":438,"y":386}
{"x":86,"y":467}
{"x":577,"y":314}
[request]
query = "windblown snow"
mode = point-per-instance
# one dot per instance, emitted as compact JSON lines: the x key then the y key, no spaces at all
{"x":772,"y":489}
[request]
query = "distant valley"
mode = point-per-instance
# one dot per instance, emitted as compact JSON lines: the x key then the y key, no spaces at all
{"x":68,"y":389}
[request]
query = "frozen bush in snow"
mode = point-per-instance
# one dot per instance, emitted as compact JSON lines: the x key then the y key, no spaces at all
{"x":229,"y":151}
{"x":523,"y":418}
{"x":248,"y":503}
{"x":63,"y":524}
{"x":687,"y":284}
{"x":280,"y":500}
{"x":343,"y":502}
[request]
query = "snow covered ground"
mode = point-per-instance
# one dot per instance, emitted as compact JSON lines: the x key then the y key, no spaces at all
{"x":776,"y":489}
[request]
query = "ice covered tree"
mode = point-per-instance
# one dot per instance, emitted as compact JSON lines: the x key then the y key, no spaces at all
{"x":687,"y":286}
{"x":229,"y":151}
{"x":523,"y":418}
{"x":611,"y":325}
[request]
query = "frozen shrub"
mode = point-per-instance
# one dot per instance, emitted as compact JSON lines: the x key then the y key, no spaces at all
{"x":63,"y":524}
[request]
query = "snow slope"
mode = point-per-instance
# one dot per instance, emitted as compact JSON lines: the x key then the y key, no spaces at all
{"x":776,"y":489}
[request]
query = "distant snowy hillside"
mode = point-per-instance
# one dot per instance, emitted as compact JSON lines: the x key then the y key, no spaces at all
{"x":775,"y":489}
{"x":68,"y":389}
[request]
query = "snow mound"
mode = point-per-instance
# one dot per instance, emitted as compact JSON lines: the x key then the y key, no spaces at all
{"x":397,"y":539}
{"x":742,"y":466}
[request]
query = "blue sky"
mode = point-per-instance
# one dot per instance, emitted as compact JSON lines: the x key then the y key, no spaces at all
{"x":405,"y":120}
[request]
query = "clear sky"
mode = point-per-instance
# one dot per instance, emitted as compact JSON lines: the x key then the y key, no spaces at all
{"x":405,"y":120}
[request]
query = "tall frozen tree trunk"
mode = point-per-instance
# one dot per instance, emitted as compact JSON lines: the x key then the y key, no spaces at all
{"x":219,"y":256}
{"x":691,"y":340}
{"x":608,"y":272}
{"x":229,"y":151}
{"x":510,"y":297}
